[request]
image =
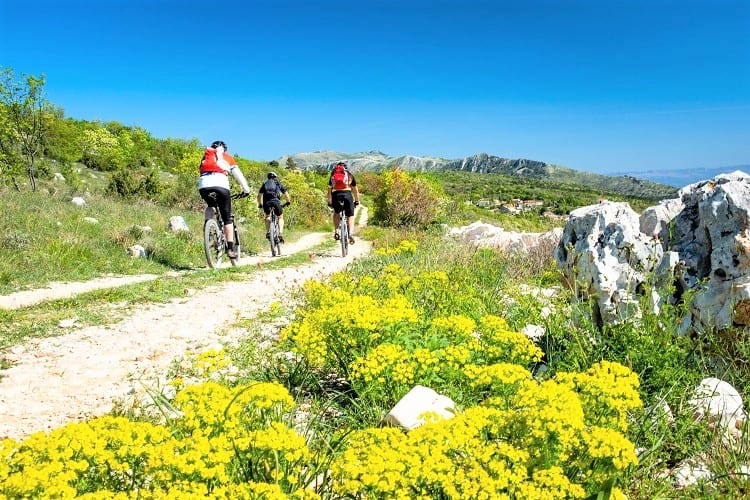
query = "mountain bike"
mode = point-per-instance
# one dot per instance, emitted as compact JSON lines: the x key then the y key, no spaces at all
{"x":274,"y":234}
{"x":214,"y":240}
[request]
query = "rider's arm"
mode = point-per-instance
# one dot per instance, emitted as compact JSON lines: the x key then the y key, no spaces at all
{"x":329,"y":196}
{"x":260,"y":198}
{"x":355,"y":193}
{"x":239,"y":177}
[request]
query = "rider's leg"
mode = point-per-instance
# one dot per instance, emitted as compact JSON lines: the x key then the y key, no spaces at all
{"x":229,"y":234}
{"x":281,"y":224}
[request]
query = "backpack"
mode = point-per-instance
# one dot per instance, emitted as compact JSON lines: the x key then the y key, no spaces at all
{"x":271,"y":189}
{"x":208,"y":163}
{"x":340,"y":178}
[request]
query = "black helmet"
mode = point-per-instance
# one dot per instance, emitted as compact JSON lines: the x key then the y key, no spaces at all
{"x":272,"y":175}
{"x":340,"y":163}
{"x":216,"y":144}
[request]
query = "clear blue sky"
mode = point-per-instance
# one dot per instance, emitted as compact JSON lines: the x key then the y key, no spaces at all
{"x":609,"y":86}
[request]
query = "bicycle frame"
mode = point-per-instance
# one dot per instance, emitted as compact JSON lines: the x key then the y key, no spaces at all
{"x":214,"y":239}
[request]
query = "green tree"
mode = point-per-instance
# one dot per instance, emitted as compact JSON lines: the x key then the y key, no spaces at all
{"x":63,"y":139}
{"x":169,"y":152}
{"x":102,"y":150}
{"x":24,"y":116}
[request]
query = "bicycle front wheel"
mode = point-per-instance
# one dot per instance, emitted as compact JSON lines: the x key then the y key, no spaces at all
{"x":237,"y":246}
{"x":213,"y":243}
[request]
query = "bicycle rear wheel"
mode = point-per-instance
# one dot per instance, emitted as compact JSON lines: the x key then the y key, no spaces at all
{"x":213,"y":243}
{"x":273,"y":230}
{"x":344,"y":232}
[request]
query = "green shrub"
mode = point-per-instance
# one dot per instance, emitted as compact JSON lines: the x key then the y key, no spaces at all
{"x":406,"y":200}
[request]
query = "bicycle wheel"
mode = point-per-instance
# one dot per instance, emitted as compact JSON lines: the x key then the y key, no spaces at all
{"x":237,"y":246}
{"x":344,"y":232}
{"x":213,"y":243}
{"x":273,"y":230}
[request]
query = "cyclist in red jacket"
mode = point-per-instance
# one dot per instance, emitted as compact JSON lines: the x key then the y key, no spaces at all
{"x":213,"y":178}
{"x":343,"y":186}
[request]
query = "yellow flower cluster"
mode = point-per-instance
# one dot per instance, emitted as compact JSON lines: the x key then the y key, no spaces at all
{"x":404,"y":246}
{"x":210,"y":361}
{"x":229,"y":443}
{"x":457,"y":328}
{"x":449,"y":459}
{"x":609,"y":386}
{"x":344,"y":322}
{"x":501,"y":378}
{"x":499,"y":343}
{"x":390,"y":364}
{"x":533,"y":442}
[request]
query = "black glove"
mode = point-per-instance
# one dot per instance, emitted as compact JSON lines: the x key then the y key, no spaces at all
{"x":330,"y":205}
{"x":241,"y":195}
{"x":356,"y":203}
{"x":287,"y":203}
{"x":260,"y":205}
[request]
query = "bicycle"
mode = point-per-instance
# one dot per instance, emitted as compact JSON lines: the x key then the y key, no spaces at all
{"x":274,"y":234}
{"x":343,"y":229}
{"x":214,"y":240}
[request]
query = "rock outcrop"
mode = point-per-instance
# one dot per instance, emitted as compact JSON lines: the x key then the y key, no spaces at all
{"x":695,"y":247}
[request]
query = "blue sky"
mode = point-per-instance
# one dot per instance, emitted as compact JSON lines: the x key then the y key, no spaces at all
{"x":608,"y":86}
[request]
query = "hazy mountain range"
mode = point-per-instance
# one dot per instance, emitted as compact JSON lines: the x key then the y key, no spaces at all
{"x":685,"y":176}
{"x":644,"y":183}
{"x":486,"y":163}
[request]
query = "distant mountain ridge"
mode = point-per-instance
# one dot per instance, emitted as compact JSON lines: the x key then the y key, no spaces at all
{"x":376,"y":161}
{"x":683,"y":177}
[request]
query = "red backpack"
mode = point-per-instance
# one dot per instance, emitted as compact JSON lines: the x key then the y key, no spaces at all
{"x":208,"y":163}
{"x":340,"y":178}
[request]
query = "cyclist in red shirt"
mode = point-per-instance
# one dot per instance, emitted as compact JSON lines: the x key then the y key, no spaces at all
{"x":213,"y":178}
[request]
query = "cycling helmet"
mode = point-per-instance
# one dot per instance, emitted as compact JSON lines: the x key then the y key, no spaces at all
{"x":272,"y":175}
{"x":340,"y":163}
{"x":216,"y":144}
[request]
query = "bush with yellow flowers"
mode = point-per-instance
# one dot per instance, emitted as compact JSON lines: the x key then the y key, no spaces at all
{"x":534,"y":442}
{"x":516,"y":437}
{"x":227,"y":441}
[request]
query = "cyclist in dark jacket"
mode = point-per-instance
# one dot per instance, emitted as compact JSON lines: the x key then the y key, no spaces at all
{"x":269,"y":198}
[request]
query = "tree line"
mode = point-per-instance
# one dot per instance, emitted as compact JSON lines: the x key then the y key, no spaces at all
{"x":35,"y":134}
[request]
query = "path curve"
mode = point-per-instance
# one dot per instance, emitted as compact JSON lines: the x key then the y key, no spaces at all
{"x":79,"y":375}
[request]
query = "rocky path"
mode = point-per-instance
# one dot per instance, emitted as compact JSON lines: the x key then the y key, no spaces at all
{"x":78,"y":375}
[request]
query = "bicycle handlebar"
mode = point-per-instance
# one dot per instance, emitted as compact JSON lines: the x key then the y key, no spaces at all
{"x":239,"y":196}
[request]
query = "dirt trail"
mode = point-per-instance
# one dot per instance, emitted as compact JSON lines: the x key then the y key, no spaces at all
{"x":80,"y":374}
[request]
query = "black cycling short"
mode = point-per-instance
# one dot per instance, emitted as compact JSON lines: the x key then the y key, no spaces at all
{"x":274,"y":203}
{"x":346,"y":197}
{"x":223,"y":201}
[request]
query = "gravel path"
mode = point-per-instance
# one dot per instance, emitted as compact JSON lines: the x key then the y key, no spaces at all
{"x":81,"y":374}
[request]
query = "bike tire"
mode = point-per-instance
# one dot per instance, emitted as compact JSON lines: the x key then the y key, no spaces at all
{"x":237,"y":246}
{"x":273,"y":231}
{"x":344,"y":230}
{"x":213,"y":243}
